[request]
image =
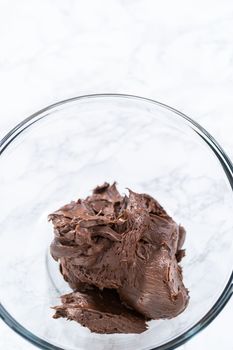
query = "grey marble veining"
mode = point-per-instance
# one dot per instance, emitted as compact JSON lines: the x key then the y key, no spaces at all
{"x":176,"y":52}
{"x":141,"y":146}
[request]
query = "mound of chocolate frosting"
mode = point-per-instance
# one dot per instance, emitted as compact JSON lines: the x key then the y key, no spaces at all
{"x":120,"y":255}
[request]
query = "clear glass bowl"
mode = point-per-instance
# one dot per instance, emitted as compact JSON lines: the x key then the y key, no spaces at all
{"x":65,"y":150}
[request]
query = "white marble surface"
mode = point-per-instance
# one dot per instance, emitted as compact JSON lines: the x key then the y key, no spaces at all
{"x":179,"y":53}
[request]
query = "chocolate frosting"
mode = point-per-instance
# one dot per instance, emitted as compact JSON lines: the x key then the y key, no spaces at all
{"x":100,"y":311}
{"x":127,"y":244}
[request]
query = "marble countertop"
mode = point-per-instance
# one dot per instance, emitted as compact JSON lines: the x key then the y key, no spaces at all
{"x":179,"y":53}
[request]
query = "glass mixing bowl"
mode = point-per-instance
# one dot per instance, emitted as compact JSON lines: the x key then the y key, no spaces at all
{"x":62,"y":152}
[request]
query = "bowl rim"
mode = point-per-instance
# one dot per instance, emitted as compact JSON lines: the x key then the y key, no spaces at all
{"x":219,"y":153}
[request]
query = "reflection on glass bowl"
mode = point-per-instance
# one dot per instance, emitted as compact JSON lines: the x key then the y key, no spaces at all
{"x":62,"y":152}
